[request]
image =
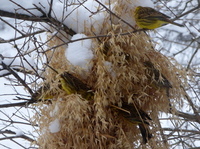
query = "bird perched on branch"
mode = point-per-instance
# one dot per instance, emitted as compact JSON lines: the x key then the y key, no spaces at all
{"x":136,"y":116}
{"x":71,"y":85}
{"x":159,"y":79}
{"x":149,"y":18}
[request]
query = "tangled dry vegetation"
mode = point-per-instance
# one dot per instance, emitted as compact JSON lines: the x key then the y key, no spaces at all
{"x":126,"y":70}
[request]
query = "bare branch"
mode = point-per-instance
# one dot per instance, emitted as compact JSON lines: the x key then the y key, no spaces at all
{"x":17,"y":77}
{"x":186,"y":13}
{"x":36,"y":19}
{"x":187,"y":117}
{"x":21,"y":37}
{"x":13,"y":137}
{"x":20,"y":104}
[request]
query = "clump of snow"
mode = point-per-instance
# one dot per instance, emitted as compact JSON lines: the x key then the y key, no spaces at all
{"x":19,"y":132}
{"x":54,"y":126}
{"x":79,"y":53}
{"x":80,"y":15}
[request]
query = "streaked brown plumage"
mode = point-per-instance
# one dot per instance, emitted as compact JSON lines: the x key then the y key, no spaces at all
{"x":160,"y":79}
{"x":149,"y":18}
{"x":69,"y":83}
{"x":72,"y":85}
{"x":138,"y":117}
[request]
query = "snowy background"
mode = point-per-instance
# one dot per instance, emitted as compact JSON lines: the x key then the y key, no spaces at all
{"x":175,"y":42}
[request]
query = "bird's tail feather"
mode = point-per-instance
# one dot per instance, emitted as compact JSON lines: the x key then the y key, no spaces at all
{"x":146,"y":135}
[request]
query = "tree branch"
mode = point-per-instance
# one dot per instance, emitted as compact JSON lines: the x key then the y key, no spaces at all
{"x":20,"y":37}
{"x":17,"y":77}
{"x":36,"y":19}
{"x":20,"y":104}
{"x":12,"y":132}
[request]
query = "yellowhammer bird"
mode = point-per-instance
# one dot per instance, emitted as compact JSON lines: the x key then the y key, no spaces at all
{"x":136,"y":116}
{"x":69,"y":83}
{"x":159,"y":80}
{"x":149,"y":18}
{"x":72,"y":85}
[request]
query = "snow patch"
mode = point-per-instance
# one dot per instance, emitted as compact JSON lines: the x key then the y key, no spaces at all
{"x":54,"y":126}
{"x":79,"y":53}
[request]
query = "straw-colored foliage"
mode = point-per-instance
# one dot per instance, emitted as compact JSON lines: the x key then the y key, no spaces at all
{"x":119,"y":75}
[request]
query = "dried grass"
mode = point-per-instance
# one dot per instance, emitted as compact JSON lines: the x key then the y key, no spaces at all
{"x":118,"y":75}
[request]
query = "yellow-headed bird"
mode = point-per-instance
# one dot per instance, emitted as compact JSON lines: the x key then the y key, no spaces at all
{"x":71,"y":85}
{"x":149,"y":18}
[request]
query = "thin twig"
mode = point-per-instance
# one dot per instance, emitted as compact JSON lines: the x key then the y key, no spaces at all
{"x":115,"y":14}
{"x":20,"y":37}
{"x":17,"y":77}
